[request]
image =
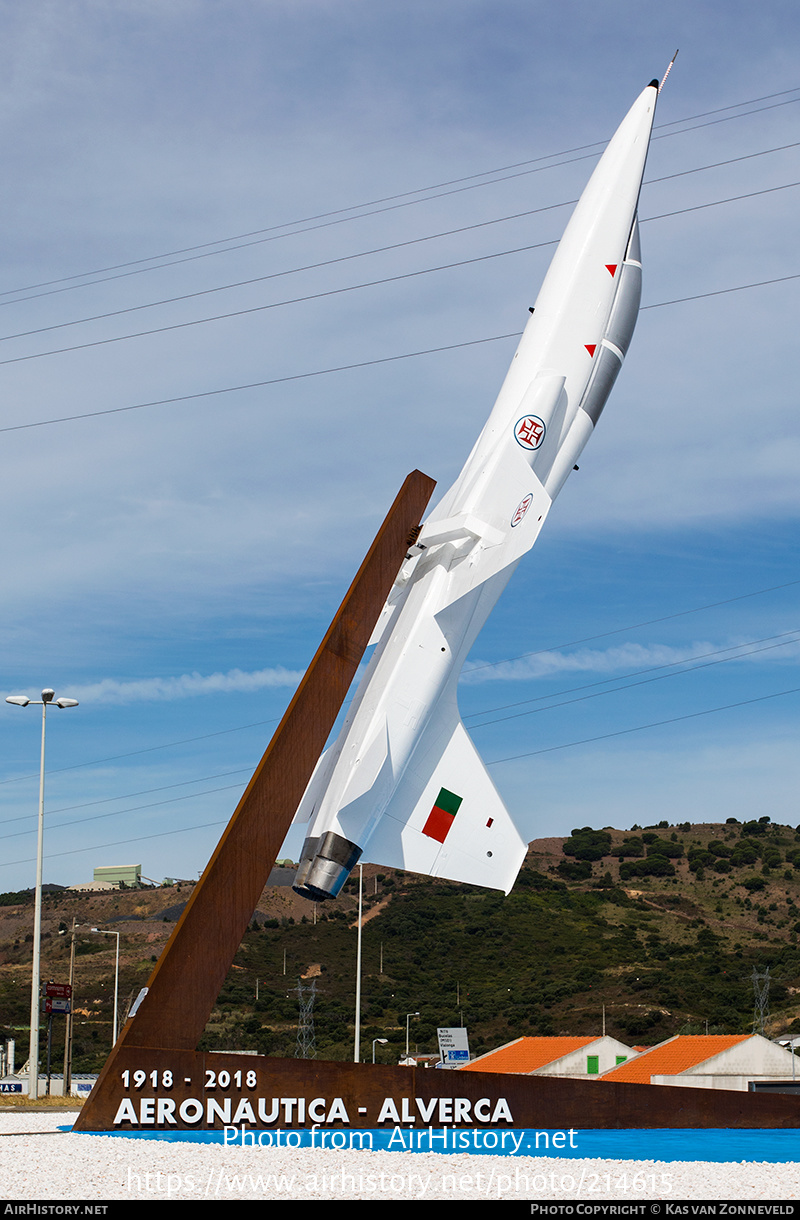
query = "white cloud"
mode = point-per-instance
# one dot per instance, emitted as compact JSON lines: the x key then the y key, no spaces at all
{"x":186,"y":686}
{"x":626,"y":657}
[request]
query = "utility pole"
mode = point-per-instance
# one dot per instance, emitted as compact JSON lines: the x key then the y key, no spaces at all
{"x":306,"y":1043}
{"x":357,"y":1047}
{"x":761,"y":994}
{"x":68,"y":1031}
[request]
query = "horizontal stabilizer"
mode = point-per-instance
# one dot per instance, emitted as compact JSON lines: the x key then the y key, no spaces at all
{"x":446,"y":819}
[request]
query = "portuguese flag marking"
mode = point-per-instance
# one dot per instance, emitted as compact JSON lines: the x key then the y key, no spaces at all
{"x":442,"y":816}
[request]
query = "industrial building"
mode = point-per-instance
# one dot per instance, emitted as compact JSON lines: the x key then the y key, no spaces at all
{"x":711,"y":1061}
{"x":578,"y":1058}
{"x":121,"y":876}
{"x":112,"y":877}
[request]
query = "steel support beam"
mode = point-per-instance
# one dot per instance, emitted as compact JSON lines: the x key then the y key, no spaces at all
{"x":188,"y":977}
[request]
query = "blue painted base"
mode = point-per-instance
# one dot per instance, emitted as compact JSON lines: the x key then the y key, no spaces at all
{"x":665,"y":1144}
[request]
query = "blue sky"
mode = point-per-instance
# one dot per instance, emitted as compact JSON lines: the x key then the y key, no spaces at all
{"x":173,"y":566}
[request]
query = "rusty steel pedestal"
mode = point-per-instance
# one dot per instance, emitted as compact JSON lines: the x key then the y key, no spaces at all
{"x":178,"y":1090}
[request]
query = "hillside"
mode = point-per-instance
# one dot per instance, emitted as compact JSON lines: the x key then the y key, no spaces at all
{"x":662,"y":926}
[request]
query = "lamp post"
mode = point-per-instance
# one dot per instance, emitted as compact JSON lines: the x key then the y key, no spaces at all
{"x":68,"y":1028}
{"x":409,"y":1015}
{"x":48,"y":696}
{"x":68,"y":1031}
{"x":102,"y":932}
{"x":357,"y":1048}
{"x":382,"y":1041}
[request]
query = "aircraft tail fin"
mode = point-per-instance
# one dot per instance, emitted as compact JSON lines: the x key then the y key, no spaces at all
{"x":446,"y":819}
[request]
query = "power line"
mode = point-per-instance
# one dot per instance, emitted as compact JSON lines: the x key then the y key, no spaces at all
{"x":401,"y":245}
{"x":652,"y":669}
{"x":134,"y":809}
{"x":76,"y":851}
{"x":720,"y":292}
{"x":254,"y":385}
{"x":330,"y":262}
{"x":719,"y":164}
{"x":587,"y":639}
{"x":720,"y":109}
{"x":332,"y":292}
{"x":494,"y":763}
{"x":344,"y":368}
{"x":638,"y":728}
{"x":322,"y":216}
{"x":239,"y":313}
{"x":651,"y":622}
{"x":106,"y":800}
{"x":630,"y":685}
{"x":767,"y":640}
{"x":167,"y":745}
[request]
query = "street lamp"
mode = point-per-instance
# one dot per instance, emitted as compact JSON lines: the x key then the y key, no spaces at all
{"x":67,"y":1086}
{"x":68,"y":1031}
{"x":357,"y":1048}
{"x":102,"y":932}
{"x":382,"y":1041}
{"x":409,"y":1015}
{"x":48,"y":696}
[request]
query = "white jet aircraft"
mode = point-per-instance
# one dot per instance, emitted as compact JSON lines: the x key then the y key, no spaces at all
{"x":403,"y":785}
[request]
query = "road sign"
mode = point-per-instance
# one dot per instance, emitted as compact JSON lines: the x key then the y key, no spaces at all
{"x":453,"y":1046}
{"x":63,"y":990}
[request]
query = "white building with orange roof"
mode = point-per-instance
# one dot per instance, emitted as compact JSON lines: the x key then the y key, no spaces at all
{"x":707,"y":1061}
{"x":581,"y":1058}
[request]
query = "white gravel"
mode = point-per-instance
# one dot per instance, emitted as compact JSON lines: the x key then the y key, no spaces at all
{"x":39,"y":1162}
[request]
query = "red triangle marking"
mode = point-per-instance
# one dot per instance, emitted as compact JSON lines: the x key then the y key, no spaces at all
{"x":611,"y":268}
{"x":591,"y":348}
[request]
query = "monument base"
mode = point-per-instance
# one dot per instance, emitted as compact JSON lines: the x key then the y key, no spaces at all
{"x":166,"y":1091}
